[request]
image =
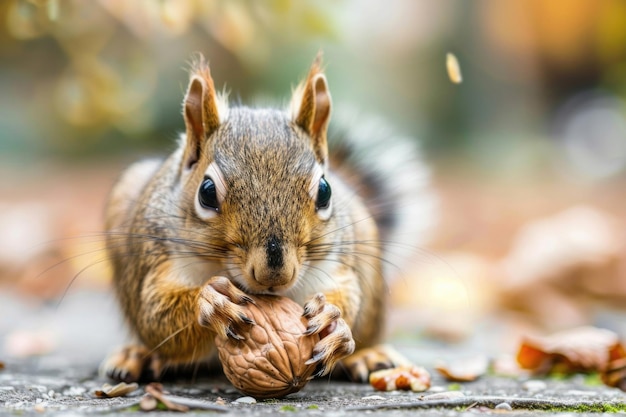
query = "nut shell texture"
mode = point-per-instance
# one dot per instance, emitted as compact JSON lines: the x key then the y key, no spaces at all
{"x":269,"y":363}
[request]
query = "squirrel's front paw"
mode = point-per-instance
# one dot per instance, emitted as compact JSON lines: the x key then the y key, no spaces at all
{"x":363,"y":362}
{"x":336,"y":340}
{"x":220,"y":308}
{"x":130,"y":363}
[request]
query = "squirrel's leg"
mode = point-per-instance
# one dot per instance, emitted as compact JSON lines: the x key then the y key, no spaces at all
{"x":130,"y":362}
{"x":337,"y":345}
{"x":177,"y":325}
{"x":364,"y":361}
{"x":335,"y":314}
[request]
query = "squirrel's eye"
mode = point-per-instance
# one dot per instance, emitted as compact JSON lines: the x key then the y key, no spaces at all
{"x":323,"y":195}
{"x":207,"y":195}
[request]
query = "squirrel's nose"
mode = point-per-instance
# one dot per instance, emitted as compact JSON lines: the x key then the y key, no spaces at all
{"x":274,"y":253}
{"x":271,"y":278}
{"x":272,"y":265}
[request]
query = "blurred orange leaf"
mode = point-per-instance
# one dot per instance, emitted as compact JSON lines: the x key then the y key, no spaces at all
{"x":583,"y":349}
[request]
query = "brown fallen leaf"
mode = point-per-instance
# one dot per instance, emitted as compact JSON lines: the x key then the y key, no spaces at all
{"x":583,"y":349}
{"x":156,"y":390}
{"x":464,"y":369}
{"x":454,"y":69}
{"x":177,"y":403}
{"x":119,"y":390}
{"x":615,"y":373}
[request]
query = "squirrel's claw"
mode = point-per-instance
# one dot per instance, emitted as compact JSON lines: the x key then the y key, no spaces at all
{"x":130,"y":363}
{"x":231,"y":334}
{"x":219,"y":308}
{"x":314,"y":306}
{"x":336,"y":340}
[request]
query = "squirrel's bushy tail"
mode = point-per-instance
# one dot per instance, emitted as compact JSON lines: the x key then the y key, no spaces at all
{"x":388,"y":173}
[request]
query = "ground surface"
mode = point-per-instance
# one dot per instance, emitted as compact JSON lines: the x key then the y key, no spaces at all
{"x":85,"y":327}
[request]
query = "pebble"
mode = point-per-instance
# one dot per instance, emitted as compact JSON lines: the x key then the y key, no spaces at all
{"x":193,"y":391}
{"x":534,"y":385}
{"x":448,"y":395}
{"x":148,"y":403}
{"x":373,"y":398}
{"x":245,"y":400}
{"x":74,"y":391}
{"x":504,"y":406}
{"x":580,"y":393}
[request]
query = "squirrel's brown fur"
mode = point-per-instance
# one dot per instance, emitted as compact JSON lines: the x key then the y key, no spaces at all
{"x":240,"y":208}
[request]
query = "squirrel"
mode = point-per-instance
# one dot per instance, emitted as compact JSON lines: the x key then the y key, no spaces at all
{"x":253,"y":202}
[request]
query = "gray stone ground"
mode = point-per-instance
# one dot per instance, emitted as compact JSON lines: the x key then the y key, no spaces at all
{"x":85,"y":326}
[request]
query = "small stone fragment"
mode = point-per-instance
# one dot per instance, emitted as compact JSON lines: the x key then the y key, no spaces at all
{"x":504,"y":406}
{"x":373,"y":398}
{"x":448,"y":395}
{"x":534,"y":385}
{"x":245,"y":400}
{"x":148,"y":403}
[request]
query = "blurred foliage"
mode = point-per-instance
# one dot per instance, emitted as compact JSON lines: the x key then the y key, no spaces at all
{"x":107,"y":76}
{"x":80,"y":73}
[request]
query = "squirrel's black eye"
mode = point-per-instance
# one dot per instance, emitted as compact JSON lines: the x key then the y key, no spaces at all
{"x":207,"y":195}
{"x":323,"y":195}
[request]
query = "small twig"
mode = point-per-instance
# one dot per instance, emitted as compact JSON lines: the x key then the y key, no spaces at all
{"x":472,"y":405}
{"x":176,"y":403}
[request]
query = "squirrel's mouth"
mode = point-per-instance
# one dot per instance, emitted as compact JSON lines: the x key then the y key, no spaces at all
{"x":250,"y":283}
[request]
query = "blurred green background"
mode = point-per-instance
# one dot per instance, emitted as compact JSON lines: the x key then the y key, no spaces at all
{"x":84,"y":80}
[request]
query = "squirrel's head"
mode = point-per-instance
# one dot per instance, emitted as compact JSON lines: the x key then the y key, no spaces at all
{"x":254,"y":180}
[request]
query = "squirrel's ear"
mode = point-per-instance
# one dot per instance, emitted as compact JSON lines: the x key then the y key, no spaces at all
{"x":310,"y":108}
{"x":201,"y":111}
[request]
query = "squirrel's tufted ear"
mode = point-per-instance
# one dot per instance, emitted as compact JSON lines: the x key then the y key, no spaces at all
{"x":310,"y":108}
{"x":201,"y":110}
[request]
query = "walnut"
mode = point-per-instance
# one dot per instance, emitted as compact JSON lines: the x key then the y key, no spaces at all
{"x":270,"y":361}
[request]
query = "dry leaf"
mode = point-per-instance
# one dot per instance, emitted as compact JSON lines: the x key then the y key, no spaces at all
{"x":465,"y":369}
{"x":177,"y":403}
{"x":119,"y":390}
{"x":414,"y":378}
{"x":577,"y":350}
{"x":615,"y":373}
{"x":156,"y":390}
{"x":454,"y":69}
